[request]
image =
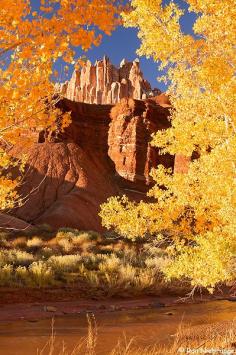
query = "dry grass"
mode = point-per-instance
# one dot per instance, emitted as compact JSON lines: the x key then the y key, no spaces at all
{"x":86,"y":345}
{"x":107,"y":265}
{"x":207,"y":342}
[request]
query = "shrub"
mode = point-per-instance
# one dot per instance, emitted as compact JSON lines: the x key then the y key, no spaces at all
{"x":66,"y":244}
{"x":19,"y":242}
{"x":41,"y":274}
{"x":66,"y":233}
{"x":66,"y":230}
{"x":35,"y":242}
{"x":92,"y":261}
{"x":47,"y":252}
{"x":6,"y":273}
{"x":146,"y":279}
{"x":127,"y":273}
{"x":22,"y":275}
{"x":3,"y":242}
{"x":22,"y":258}
{"x":16,"y":257}
{"x":81,"y":238}
{"x":92,"y":278}
{"x":156,"y":263}
{"x":110,"y":264}
{"x":4,"y":234}
{"x":63,"y":263}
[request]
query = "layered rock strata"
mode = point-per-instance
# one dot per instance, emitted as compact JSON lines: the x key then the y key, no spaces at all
{"x":104,"y":152}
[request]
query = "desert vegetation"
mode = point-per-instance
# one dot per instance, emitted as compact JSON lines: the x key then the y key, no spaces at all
{"x":183,"y":235}
{"x":103,"y":264}
{"x":194,"y":208}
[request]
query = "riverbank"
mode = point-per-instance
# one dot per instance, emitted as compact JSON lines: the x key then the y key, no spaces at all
{"x":148,"y":328}
{"x":35,"y":304}
{"x":53,"y":274}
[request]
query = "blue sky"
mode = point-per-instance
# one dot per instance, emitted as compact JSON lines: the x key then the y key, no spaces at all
{"x":123,"y":43}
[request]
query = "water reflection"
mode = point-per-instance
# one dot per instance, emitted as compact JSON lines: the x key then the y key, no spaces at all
{"x":148,"y":325}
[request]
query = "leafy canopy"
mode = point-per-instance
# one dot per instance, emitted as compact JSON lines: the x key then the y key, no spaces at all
{"x":197,"y":208}
{"x":32,"y":39}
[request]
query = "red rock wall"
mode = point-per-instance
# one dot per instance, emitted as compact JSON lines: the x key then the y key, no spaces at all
{"x":69,"y":175}
{"x":129,"y":140}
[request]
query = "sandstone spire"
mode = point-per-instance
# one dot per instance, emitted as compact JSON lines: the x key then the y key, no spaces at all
{"x":103,"y":83}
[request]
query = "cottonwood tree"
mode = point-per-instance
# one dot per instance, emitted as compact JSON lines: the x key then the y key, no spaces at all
{"x":33,"y":36}
{"x":197,"y":208}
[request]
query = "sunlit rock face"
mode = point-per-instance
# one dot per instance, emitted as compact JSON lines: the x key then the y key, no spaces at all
{"x":105,"y":151}
{"x":129,"y":140}
{"x":103,"y":83}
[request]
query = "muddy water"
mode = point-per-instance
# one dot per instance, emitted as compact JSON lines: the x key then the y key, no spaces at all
{"x":148,"y":326}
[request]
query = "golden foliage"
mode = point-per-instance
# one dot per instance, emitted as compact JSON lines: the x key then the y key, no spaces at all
{"x":198,"y":209}
{"x":31,"y":41}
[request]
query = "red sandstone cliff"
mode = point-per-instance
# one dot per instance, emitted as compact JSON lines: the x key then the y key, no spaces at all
{"x":103,"y":83}
{"x":98,"y":155}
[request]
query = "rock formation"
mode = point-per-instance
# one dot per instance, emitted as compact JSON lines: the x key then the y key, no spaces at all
{"x":12,"y":223}
{"x":100,"y":154}
{"x":129,"y":138}
{"x":103,"y":83}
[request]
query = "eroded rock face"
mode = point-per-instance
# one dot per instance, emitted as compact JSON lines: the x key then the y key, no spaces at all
{"x":99,"y":155}
{"x":70,"y":185}
{"x":12,"y":223}
{"x":103,"y":83}
{"x":129,"y":139}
